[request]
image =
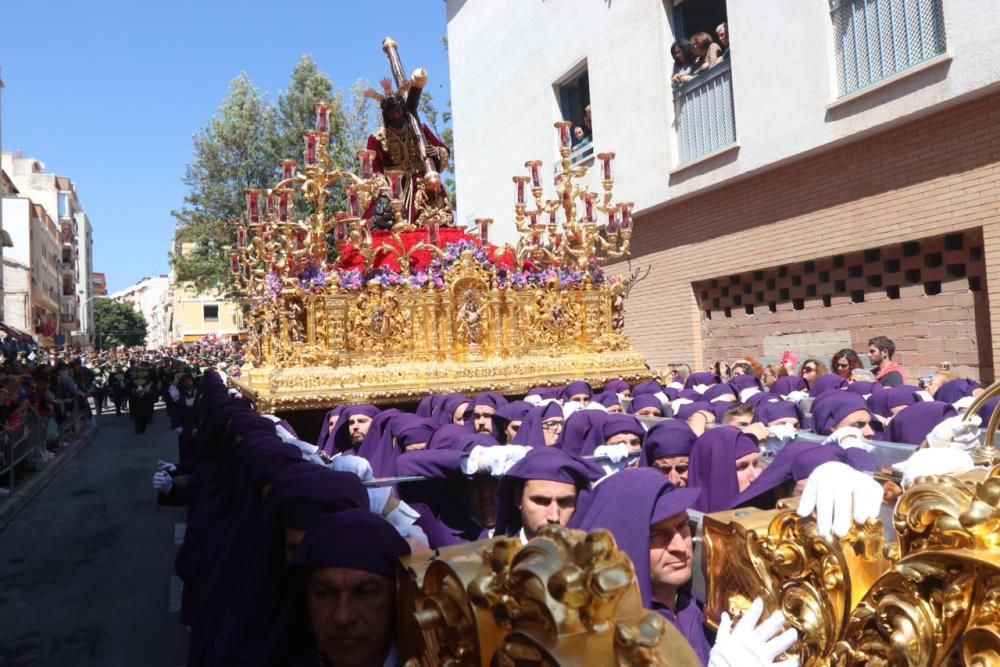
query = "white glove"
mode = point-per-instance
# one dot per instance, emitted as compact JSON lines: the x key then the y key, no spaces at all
{"x":179,"y":429}
{"x":747,"y":393}
{"x":797,"y":396}
{"x":594,"y":405}
{"x":934,"y":461}
{"x":402,"y":516}
{"x":175,"y":393}
{"x":165,"y":466}
{"x":783,"y":431}
{"x":676,"y":385}
{"x":378,"y":496}
{"x":838,"y":493}
{"x":616,"y":453}
{"x":162,"y":482}
{"x":676,"y":404}
{"x":569,"y":407}
{"x":847,"y":436}
{"x":700,"y":388}
{"x":414,"y":534}
{"x":495,"y":460}
{"x":953,"y":432}
{"x":923,"y":395}
{"x":963,"y":403}
{"x":751,"y":645}
{"x":353,"y":464}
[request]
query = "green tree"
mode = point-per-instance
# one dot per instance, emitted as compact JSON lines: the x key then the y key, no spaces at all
{"x":118,"y":324}
{"x":296,"y":113}
{"x":360,"y":118}
{"x":233,"y":152}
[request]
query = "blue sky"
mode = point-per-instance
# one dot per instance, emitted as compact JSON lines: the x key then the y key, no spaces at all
{"x":110,"y":93}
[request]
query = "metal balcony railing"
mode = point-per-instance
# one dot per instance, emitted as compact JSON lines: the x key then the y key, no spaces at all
{"x":875,"y":39}
{"x":706,"y":121}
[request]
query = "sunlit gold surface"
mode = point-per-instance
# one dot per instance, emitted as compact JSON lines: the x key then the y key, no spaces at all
{"x":566,"y":598}
{"x":339,"y":337}
{"x":931,"y":599}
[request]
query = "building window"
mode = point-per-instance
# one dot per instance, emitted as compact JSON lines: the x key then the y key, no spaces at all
{"x":702,"y":80}
{"x":63,"y":205}
{"x":875,"y":39}
{"x":210,"y":312}
{"x":574,"y":105}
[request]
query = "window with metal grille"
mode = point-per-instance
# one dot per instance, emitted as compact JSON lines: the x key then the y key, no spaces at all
{"x":875,"y":39}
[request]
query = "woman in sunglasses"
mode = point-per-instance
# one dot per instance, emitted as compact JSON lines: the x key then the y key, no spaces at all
{"x":811,"y":370}
{"x":844,"y":362}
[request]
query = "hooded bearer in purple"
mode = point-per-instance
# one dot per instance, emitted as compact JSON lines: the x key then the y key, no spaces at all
{"x":542,"y":489}
{"x":346,"y":610}
{"x":648,"y":518}
{"x":724,"y":462}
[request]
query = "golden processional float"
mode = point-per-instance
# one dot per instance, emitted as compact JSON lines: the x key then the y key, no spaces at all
{"x":387,"y":300}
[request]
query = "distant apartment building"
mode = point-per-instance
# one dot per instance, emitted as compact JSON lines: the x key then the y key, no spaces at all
{"x":31,"y":270}
{"x":834,"y":177}
{"x":99,"y":284}
{"x":58,"y":197}
{"x":151,"y":296}
{"x":198,"y":315}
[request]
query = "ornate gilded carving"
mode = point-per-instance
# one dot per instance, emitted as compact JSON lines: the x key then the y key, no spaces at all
{"x":931,"y":599}
{"x":565,"y":598}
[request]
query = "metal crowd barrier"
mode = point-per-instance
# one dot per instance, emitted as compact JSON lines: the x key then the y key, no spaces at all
{"x":30,"y":437}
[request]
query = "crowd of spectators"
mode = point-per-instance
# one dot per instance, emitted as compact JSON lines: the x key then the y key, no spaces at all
{"x":699,"y":53}
{"x":40,"y":389}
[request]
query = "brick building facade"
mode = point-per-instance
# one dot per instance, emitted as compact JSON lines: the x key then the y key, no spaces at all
{"x":895,"y":234}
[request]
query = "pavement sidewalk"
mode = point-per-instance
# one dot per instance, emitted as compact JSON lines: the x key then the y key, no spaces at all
{"x":27,"y":488}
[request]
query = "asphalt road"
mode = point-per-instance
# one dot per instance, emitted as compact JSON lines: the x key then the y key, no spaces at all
{"x":85,"y":569}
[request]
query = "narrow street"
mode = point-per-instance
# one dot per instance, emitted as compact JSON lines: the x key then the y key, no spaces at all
{"x":85,"y":569}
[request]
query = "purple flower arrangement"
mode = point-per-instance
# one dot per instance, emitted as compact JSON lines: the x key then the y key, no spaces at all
{"x":434,"y":277}
{"x":312,"y":278}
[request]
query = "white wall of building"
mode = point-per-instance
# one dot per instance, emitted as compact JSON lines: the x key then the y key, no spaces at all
{"x":84,"y":285}
{"x":505,"y":60}
{"x":152,"y":297}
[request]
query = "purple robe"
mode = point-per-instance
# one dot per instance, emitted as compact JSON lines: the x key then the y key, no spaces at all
{"x":902,"y":395}
{"x":446,"y":410}
{"x":713,"y":466}
{"x":720,"y":390}
{"x":794,"y":463}
{"x":651,"y":387}
{"x":515,"y":411}
{"x":831,"y":408}
{"x":628,"y":504}
{"x":577,"y":387}
{"x":954,"y":390}
{"x":786,"y":385}
{"x":608,"y":399}
{"x":546,"y":463}
{"x":341,"y":438}
{"x":704,"y":377}
{"x":667,"y":439}
{"x":769,"y":411}
{"x":582,"y":432}
{"x":646,"y":401}
{"x":325,"y":438}
{"x":617,"y":386}
{"x":827,"y":382}
{"x":531,"y":432}
{"x":685,"y":411}
{"x":912,"y":424}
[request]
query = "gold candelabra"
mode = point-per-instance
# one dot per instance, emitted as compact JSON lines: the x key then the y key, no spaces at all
{"x":566,"y":230}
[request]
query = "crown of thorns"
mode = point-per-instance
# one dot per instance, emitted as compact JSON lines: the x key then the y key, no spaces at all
{"x":387,"y":91}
